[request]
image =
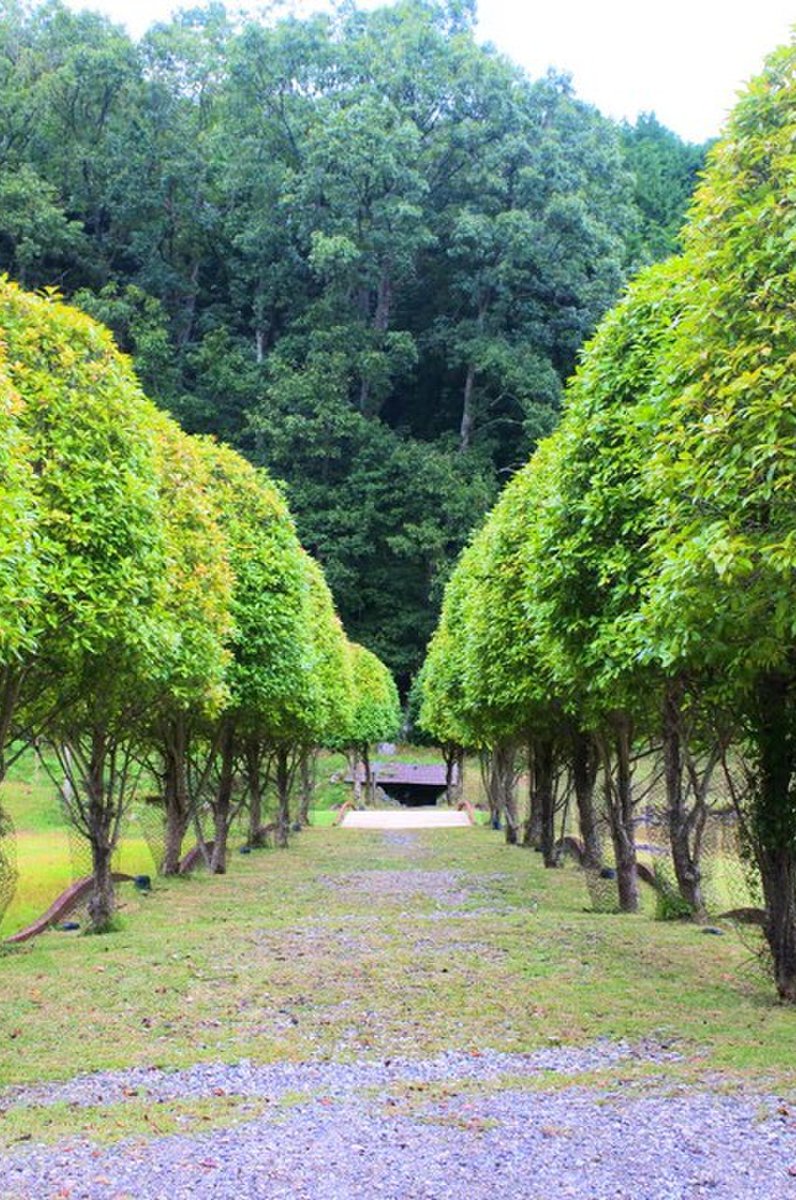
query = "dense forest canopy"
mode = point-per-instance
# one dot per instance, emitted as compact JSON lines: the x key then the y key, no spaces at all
{"x":359,"y":247}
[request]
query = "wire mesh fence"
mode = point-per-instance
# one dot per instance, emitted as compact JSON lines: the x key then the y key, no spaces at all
{"x":9,"y":871}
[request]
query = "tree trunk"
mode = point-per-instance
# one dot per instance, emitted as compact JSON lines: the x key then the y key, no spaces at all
{"x":458,"y":787}
{"x":100,"y":823}
{"x":381,"y":317}
{"x":503,"y":787}
{"x":283,"y":796}
{"x":178,"y":808}
{"x":468,"y":417}
{"x":773,"y":824}
{"x":222,"y":805}
{"x":353,"y":766}
{"x":681,"y":821}
{"x":488,"y":783}
{"x":307,"y":768}
{"x":778,"y":870}
{"x":449,"y":756}
{"x":102,"y":902}
{"x":584,"y":778}
{"x":619,"y":802}
{"x":380,"y":323}
{"x":370,"y":782}
{"x":9,"y":691}
{"x":256,"y":781}
{"x":544,"y":769}
{"x":533,"y":826}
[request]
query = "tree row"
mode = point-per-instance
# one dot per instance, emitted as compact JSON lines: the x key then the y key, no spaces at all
{"x":159,"y":619}
{"x":632,"y":594}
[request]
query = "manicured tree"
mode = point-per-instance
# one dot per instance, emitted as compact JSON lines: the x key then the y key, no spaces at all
{"x":332,"y":675}
{"x":617,"y":405}
{"x":198,"y":593}
{"x":598,"y":531}
{"x":724,"y":473}
{"x":442,"y":678}
{"x":18,"y":594}
{"x":97,"y":633}
{"x":586,"y":553}
{"x":495,"y":725}
{"x":376,"y":710}
{"x":448,"y":710}
{"x":327,"y":710}
{"x":18,"y":555}
{"x":453,"y":753}
{"x":508,"y":691}
{"x":269,"y":679}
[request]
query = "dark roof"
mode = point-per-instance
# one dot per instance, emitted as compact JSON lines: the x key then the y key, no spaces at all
{"x":424,"y":774}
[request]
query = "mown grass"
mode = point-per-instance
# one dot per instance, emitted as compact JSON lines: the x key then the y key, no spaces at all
{"x":42,"y":845}
{"x":355,"y":944}
{"x":318,"y":952}
{"x":134,"y":1117}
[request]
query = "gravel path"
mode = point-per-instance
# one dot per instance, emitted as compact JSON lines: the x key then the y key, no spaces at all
{"x":334,"y":1079}
{"x":355,"y":1139}
{"x":374,"y":1129}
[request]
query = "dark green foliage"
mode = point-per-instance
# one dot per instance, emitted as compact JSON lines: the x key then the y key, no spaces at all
{"x":666,"y":170}
{"x":669,"y":904}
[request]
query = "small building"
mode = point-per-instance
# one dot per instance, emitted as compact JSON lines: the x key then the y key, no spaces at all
{"x":411,"y":784}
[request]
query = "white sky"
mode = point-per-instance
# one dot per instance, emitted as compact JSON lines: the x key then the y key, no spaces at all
{"x":682,"y":59}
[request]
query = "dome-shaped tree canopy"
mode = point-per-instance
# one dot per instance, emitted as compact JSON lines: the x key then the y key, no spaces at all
{"x":18,"y":566}
{"x":442,"y":679}
{"x":723,"y":472}
{"x":198,"y":577}
{"x":97,"y":540}
{"x":376,"y":710}
{"x":270,"y":677}
{"x":331,"y":710}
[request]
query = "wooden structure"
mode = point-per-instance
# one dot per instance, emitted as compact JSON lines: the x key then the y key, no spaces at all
{"x":414,"y":785}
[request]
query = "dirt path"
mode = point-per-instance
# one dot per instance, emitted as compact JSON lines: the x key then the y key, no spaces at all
{"x":405,"y":818}
{"x":377,"y":1034}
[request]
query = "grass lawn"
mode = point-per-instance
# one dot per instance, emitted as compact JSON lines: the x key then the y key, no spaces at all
{"x":44,"y":855}
{"x":356,"y":944}
{"x":352,"y":944}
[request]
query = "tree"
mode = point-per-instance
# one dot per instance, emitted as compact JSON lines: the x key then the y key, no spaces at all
{"x":723,"y":474}
{"x":198,"y":594}
{"x":19,"y":565}
{"x":269,"y":678}
{"x":666,"y":171}
{"x":363,"y":214}
{"x":96,"y":632}
{"x":376,"y":711}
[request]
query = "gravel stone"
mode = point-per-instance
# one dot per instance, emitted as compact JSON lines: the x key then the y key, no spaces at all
{"x":513,"y":1144}
{"x":339,"y":1079}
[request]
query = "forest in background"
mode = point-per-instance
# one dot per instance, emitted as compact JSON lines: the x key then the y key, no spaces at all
{"x":360,"y":248}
